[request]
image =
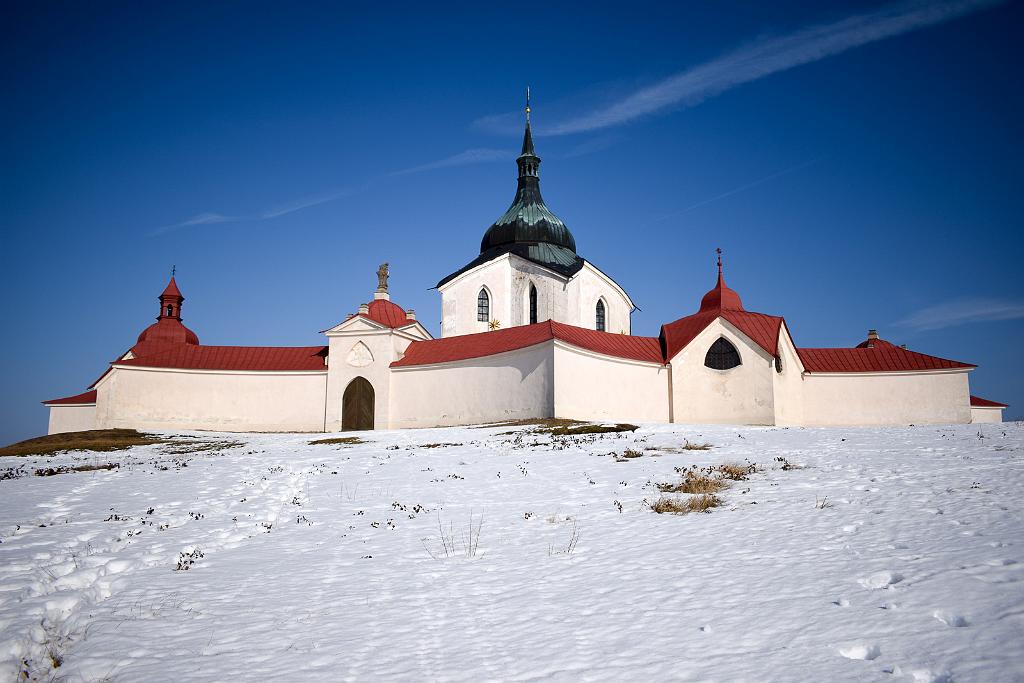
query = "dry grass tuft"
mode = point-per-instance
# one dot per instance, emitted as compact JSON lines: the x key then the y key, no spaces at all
{"x":438,"y":445}
{"x":577,"y":429}
{"x":687,"y":446}
{"x":682,"y":506}
{"x":532,"y":422}
{"x":339,"y":440}
{"x":696,"y":481}
{"x":67,"y":469}
{"x":735,"y":471}
{"x":102,"y":440}
{"x":630,"y":453}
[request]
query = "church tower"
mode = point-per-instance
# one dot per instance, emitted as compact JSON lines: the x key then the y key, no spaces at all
{"x":528,"y":270}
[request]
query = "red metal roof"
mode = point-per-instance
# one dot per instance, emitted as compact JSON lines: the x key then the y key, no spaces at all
{"x":979,"y":402}
{"x":882,"y":356}
{"x":168,"y":330}
{"x":762,"y":329}
{"x":464,"y":347}
{"x":171,"y":290}
{"x":721,"y":297}
{"x":722,"y":302}
{"x":87,"y":398}
{"x":387,"y":313}
{"x":266,"y":358}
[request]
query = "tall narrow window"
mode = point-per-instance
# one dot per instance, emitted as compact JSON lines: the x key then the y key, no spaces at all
{"x":170,"y":311}
{"x":483,"y":306}
{"x":599,"y":315}
{"x":533,"y":304}
{"x":722,"y":355}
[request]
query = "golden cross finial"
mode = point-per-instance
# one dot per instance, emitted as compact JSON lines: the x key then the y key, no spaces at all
{"x":527,"y":104}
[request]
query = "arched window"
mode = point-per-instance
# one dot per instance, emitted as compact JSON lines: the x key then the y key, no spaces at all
{"x":533,"y":304}
{"x":483,"y":306}
{"x":722,"y":355}
{"x":170,"y":311}
{"x":599,"y":315}
{"x":778,"y":364}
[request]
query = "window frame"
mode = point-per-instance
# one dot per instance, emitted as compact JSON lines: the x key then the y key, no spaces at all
{"x":720,"y":354}
{"x":601,"y":315}
{"x":483,"y":296}
{"x":532,"y":303}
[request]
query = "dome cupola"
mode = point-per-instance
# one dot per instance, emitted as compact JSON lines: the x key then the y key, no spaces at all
{"x":528,"y":220}
{"x":168,"y":327}
{"x":721,"y":297}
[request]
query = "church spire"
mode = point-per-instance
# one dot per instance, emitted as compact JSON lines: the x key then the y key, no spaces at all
{"x":528,"y":161}
{"x":170,"y":300}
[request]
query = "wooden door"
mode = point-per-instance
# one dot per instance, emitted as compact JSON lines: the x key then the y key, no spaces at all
{"x":357,"y":405}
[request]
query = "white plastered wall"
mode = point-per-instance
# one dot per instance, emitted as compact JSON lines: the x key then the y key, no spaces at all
{"x":879,"y":398}
{"x":788,"y":385}
{"x":71,"y":418}
{"x":584,"y":290}
{"x":589,"y":386}
{"x":361,"y":348}
{"x":507,"y":280}
{"x":986,"y":414}
{"x":508,"y":386}
{"x":458,"y":298}
{"x":162,"y":398}
{"x":741,"y":395}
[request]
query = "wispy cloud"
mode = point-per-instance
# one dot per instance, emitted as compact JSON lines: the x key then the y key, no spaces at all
{"x":469,"y":156}
{"x":763,"y":58}
{"x":737,"y":190}
{"x":211,"y":218}
{"x":962,"y":312}
{"x":478,"y":155}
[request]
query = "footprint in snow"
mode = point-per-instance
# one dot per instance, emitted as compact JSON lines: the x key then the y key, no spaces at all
{"x":860,"y":651}
{"x":880,"y":580}
{"x":950,"y":618}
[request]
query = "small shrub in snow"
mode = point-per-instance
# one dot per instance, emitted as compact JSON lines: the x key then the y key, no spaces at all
{"x":187,"y":559}
{"x":570,"y":547}
{"x":338,"y":441}
{"x":735,"y":471}
{"x":786,"y":465}
{"x":696,"y":481}
{"x":687,"y":446}
{"x":682,"y":506}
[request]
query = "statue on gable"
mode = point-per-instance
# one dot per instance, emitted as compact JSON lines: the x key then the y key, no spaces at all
{"x":382,"y":278}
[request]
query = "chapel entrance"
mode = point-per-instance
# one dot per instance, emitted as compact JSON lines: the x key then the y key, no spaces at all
{"x":357,"y":405}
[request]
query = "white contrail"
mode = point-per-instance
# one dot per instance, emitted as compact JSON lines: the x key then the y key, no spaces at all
{"x":770,"y":56}
{"x":962,"y":312}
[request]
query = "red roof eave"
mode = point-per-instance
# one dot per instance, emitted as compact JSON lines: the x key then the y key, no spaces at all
{"x":84,"y":399}
{"x":979,"y":402}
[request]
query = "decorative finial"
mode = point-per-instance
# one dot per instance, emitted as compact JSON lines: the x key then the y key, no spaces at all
{"x":174,"y":269}
{"x":527,"y":104}
{"x":718,"y":251}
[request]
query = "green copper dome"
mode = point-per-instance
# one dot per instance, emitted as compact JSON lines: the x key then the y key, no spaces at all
{"x":528,"y":229}
{"x":528,"y":220}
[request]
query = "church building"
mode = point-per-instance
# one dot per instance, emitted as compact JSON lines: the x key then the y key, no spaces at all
{"x":530,"y":329}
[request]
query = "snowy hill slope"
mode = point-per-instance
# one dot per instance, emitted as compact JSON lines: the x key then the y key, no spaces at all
{"x":499,"y":553}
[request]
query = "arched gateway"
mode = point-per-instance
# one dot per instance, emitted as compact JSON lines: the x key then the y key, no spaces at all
{"x":357,"y":405}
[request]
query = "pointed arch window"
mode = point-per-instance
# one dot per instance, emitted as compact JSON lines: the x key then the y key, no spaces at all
{"x":533,"y":304}
{"x":599,"y":315}
{"x":722,"y":355}
{"x":483,"y":306}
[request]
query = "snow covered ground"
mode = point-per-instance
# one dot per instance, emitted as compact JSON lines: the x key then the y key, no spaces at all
{"x":281,"y":560}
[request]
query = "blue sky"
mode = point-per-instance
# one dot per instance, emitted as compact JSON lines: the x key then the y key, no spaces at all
{"x":858,"y":163}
